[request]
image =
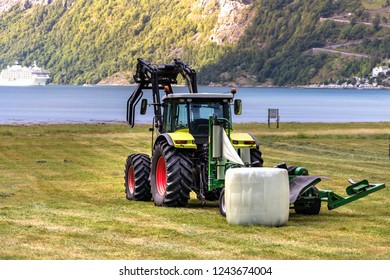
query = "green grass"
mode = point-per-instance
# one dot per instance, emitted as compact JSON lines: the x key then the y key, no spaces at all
{"x":62,"y":197}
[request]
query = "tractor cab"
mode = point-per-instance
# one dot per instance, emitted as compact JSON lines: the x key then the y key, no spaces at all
{"x":190,"y":113}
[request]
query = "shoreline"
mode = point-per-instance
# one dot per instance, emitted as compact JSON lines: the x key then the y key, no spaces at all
{"x":230,"y":85}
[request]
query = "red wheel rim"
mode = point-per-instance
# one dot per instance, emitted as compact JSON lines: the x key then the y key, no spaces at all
{"x":161,"y":176}
{"x":130,"y":179}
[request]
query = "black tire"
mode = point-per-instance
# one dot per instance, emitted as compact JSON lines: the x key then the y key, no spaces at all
{"x":137,"y":172}
{"x":222,"y":204}
{"x":313,"y":209}
{"x":256,"y":156}
{"x":171,"y":176}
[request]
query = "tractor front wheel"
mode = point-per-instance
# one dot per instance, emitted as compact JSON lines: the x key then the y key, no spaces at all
{"x":137,"y":171}
{"x":171,"y":176}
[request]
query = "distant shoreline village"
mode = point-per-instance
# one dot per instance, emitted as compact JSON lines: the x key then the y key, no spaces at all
{"x":380,"y":79}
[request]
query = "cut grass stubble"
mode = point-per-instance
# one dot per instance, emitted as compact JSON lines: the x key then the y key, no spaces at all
{"x":62,"y":197}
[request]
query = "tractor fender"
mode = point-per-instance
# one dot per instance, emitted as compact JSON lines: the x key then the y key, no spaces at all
{"x":165,"y":137}
{"x":257,"y":141}
{"x":239,"y":140}
{"x":180,"y":140}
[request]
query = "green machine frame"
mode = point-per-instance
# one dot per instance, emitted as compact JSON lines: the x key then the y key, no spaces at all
{"x":354,"y":192}
{"x":309,"y":194}
{"x":216,"y":165}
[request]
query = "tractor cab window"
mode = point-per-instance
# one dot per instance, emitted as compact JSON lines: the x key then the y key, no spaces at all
{"x":206,"y":110}
{"x":175,"y":116}
{"x":181,"y":116}
{"x":200,"y":113}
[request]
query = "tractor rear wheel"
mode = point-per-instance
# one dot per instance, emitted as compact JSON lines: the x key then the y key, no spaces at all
{"x":256,"y":156}
{"x":171,"y":176}
{"x":137,"y":171}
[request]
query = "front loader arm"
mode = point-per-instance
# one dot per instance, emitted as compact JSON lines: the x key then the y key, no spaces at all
{"x":156,"y":78}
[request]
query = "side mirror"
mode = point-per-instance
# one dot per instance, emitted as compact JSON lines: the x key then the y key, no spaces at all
{"x":237,"y":107}
{"x":144,"y":106}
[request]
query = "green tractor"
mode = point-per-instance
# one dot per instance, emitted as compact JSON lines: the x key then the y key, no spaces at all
{"x":180,"y":154}
{"x":190,"y":134}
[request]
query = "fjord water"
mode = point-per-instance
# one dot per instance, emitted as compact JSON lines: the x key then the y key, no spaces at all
{"x":97,"y":104}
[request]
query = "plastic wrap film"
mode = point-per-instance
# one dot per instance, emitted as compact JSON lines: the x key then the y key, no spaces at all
{"x":228,"y":150}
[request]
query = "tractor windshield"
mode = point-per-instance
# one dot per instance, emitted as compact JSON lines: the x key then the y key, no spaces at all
{"x":205,"y":110}
{"x":200,"y":113}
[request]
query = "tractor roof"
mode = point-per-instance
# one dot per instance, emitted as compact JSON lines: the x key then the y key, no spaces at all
{"x":198,"y":96}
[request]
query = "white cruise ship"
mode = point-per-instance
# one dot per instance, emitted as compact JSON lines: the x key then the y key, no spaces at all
{"x":17,"y":75}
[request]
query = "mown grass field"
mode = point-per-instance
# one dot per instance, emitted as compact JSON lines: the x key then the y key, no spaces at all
{"x":62,"y":197}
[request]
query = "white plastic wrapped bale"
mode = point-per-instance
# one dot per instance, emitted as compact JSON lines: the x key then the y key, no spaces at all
{"x":257,"y":196}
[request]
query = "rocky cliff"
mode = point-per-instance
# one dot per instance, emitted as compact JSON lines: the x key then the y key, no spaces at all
{"x":233,"y":18}
{"x":5,"y":5}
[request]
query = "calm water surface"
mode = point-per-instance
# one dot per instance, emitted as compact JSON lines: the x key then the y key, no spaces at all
{"x":78,"y":104}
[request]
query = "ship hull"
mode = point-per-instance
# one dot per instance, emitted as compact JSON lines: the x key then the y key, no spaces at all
{"x":24,"y":82}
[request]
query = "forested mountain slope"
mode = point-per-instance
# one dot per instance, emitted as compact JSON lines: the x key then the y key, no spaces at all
{"x":227,"y":41}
